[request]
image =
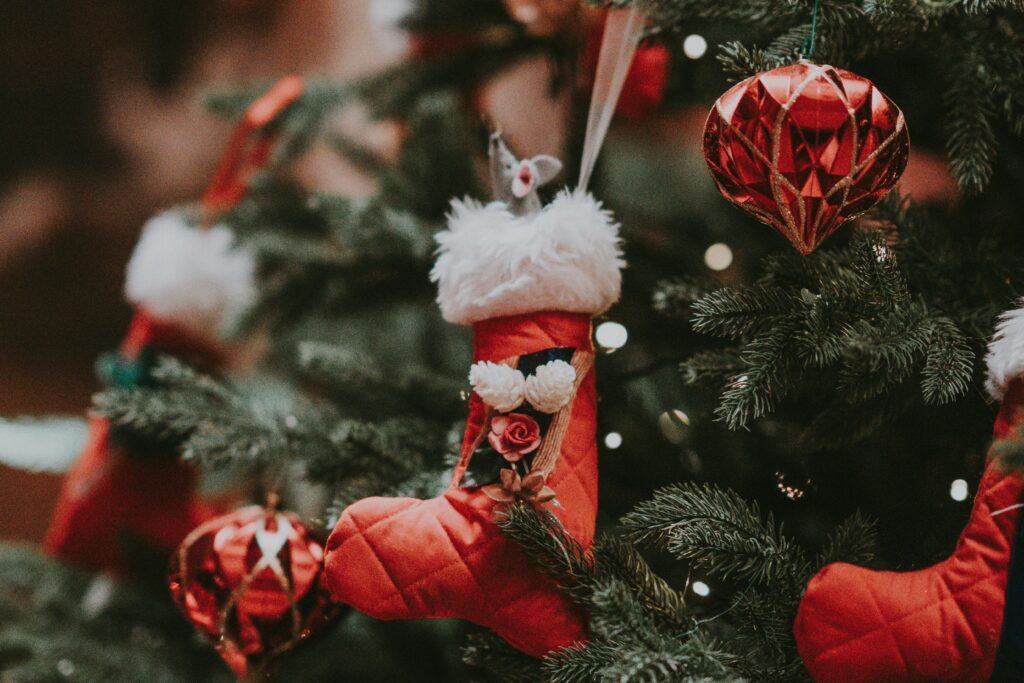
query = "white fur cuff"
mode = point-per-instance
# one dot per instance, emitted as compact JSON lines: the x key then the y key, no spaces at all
{"x":1005,"y":357}
{"x":491,"y":263}
{"x":192,"y":277}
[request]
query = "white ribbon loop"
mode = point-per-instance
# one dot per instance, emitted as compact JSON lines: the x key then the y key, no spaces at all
{"x":622,"y":32}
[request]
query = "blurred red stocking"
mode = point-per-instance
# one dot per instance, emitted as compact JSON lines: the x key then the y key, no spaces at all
{"x":185,"y":282}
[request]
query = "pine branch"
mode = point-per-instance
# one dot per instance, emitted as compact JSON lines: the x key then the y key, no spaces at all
{"x":581,"y":663}
{"x":763,"y":644}
{"x":551,"y":548}
{"x":970,"y":109}
{"x":740,"y":62}
{"x":62,"y":624}
{"x":719,"y":532}
{"x":855,"y":541}
{"x":770,"y":360}
{"x":693,"y":660}
{"x":354,"y":377}
{"x":674,"y":298}
{"x":183,"y":399}
{"x":436,"y":161}
{"x":617,"y":616}
{"x":879,"y":355}
{"x":359,"y":155}
{"x":614,"y":557}
{"x":847,"y":313}
{"x":878,"y":271}
{"x":949,"y":367}
{"x":737,"y":312}
{"x":712,"y":368}
{"x":499,"y":660}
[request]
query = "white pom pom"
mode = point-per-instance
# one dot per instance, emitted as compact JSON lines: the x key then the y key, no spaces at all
{"x":550,"y":387}
{"x":195,"y":278}
{"x":499,"y":386}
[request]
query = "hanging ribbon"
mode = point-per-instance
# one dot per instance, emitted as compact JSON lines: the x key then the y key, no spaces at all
{"x":248,"y":151}
{"x":622,"y":32}
{"x":250,"y":146}
{"x":807,"y":48}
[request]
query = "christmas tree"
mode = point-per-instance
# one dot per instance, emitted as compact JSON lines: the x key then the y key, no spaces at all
{"x":763,"y":411}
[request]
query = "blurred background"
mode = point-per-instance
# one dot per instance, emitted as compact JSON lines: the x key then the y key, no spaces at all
{"x":101,"y":127}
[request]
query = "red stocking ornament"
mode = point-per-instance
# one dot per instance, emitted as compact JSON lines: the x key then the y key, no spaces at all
{"x":954,"y":621}
{"x":185,"y":282}
{"x":528,"y":285}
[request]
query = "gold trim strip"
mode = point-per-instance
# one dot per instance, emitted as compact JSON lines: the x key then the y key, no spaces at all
{"x":582,"y":362}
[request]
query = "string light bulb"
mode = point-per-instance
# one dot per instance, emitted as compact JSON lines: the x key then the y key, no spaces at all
{"x":694,"y":46}
{"x":700,"y":588}
{"x":674,"y":426}
{"x":718,"y":256}
{"x":786,"y":489}
{"x":611,"y":336}
{"x":958,"y":490}
{"x":612,"y":440}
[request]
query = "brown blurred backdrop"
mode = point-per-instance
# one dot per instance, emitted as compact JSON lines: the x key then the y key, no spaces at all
{"x":99,"y":128}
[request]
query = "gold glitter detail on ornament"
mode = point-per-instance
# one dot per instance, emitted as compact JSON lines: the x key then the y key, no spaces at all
{"x":250,"y":582}
{"x":804,"y":148}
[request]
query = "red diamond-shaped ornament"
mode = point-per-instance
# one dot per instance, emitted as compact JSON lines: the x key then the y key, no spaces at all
{"x":805,"y":148}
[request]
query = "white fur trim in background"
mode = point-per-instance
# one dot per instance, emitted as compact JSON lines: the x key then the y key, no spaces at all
{"x":497,"y":385}
{"x":1005,"y":357}
{"x":490,"y":263}
{"x":42,"y":444}
{"x":192,"y":277}
{"x":550,"y":386}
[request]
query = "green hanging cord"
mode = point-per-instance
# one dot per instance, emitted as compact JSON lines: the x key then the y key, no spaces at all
{"x":807,"y":49}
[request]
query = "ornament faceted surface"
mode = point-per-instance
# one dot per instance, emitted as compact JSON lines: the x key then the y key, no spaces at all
{"x":250,"y":582}
{"x":805,"y":148}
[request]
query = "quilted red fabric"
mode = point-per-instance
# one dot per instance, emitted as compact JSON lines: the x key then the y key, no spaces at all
{"x":109,"y":494}
{"x":937,"y":624}
{"x":404,"y":558}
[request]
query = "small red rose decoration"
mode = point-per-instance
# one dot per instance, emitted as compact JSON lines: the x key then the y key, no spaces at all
{"x":514,"y":435}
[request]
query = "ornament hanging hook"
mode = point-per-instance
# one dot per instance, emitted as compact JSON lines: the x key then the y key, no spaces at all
{"x":622,"y":32}
{"x":807,"y":49}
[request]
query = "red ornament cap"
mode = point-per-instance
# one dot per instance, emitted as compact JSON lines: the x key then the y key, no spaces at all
{"x":250,"y":582}
{"x":805,"y":148}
